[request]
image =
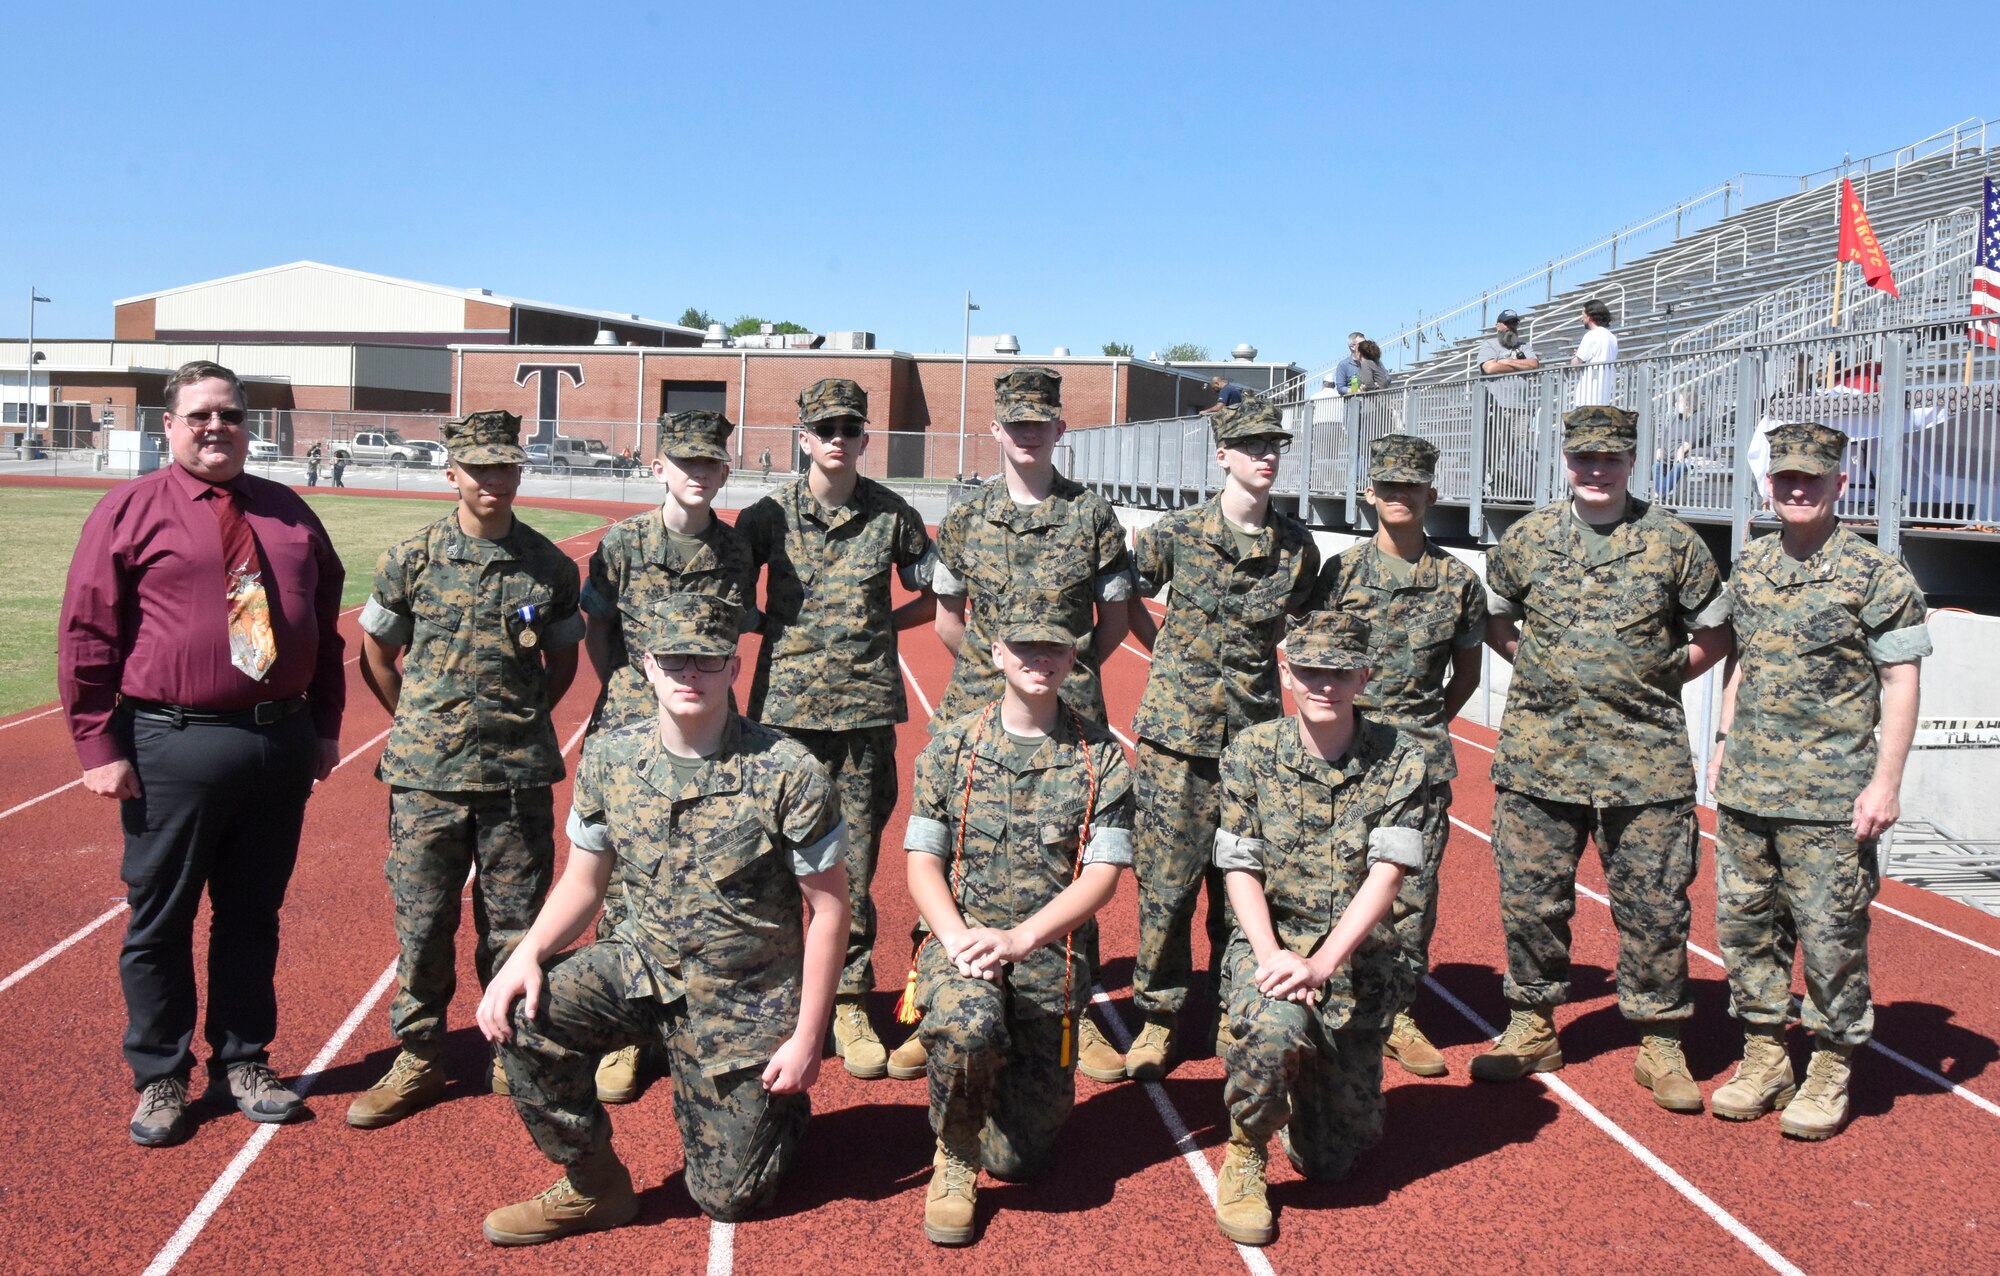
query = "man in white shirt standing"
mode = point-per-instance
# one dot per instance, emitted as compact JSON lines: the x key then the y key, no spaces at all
{"x":1595,"y":353}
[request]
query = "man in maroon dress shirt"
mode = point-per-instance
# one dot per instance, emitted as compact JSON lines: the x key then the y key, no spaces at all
{"x":201,"y":671}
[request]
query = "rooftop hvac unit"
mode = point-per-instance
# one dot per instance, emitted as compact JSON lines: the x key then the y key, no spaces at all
{"x":1245,"y":351}
{"x":605,"y":337}
{"x":849,"y":341}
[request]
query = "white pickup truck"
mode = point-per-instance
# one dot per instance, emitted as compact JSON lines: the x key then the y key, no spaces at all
{"x":382,"y":447}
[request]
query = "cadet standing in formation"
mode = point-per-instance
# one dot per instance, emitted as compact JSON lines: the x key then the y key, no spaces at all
{"x":486,"y":609}
{"x":725,"y":832}
{"x":1606,"y":605}
{"x":1022,"y":819}
{"x":1426,"y":613}
{"x":1323,"y":818}
{"x":1237,"y":568}
{"x":827,"y":672}
{"x":1030,"y":528}
{"x":1830,"y":632}
{"x":681,"y":547}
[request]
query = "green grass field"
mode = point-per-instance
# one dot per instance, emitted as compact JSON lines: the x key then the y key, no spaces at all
{"x":38,"y":531}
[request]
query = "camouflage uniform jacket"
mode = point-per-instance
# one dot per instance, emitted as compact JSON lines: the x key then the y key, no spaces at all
{"x":1810,"y":635}
{"x":1215,"y":668}
{"x":1021,"y":828}
{"x":713,"y":904}
{"x":828,"y":660}
{"x":633,"y":568}
{"x":1070,"y":543}
{"x":1415,"y":625}
{"x":474,"y":711}
{"x":1314,"y":828}
{"x":1594,"y":712}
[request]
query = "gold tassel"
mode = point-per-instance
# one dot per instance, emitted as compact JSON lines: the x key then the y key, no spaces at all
{"x":906,"y":1006}
{"x":1066,"y":1053}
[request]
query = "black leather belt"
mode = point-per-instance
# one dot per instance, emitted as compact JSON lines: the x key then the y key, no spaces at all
{"x":258,"y":715}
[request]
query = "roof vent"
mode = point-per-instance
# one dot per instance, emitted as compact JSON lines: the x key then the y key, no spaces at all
{"x":1060,"y":352}
{"x":1006,"y":343}
{"x":767,"y":329}
{"x":606,"y":337}
{"x":1245,"y":351}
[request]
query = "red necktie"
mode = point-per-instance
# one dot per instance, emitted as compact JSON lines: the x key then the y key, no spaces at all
{"x":253,"y":647}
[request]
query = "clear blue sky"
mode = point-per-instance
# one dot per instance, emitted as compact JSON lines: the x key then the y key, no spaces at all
{"x":1150,"y":173}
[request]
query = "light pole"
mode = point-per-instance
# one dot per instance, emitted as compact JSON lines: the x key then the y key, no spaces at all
{"x":28,"y":409}
{"x":964,"y":374}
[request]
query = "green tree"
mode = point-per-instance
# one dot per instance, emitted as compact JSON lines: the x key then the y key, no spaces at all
{"x":1118,"y":349}
{"x":693,"y":317}
{"x":1185,"y":352}
{"x":750,"y":325}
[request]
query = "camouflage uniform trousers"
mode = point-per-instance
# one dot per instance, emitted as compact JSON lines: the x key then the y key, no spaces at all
{"x":1179,"y":805}
{"x":996,"y":1073}
{"x":1289,"y":1071}
{"x":1784,"y":884}
{"x":737,"y":1140}
{"x":1649,"y":852}
{"x":434,"y":839}
{"x":862,"y":764}
{"x":1414,"y":916}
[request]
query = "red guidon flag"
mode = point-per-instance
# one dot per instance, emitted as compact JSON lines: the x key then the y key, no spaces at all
{"x":1857,"y":242}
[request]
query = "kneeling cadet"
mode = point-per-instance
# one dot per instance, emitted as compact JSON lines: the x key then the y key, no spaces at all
{"x":1322,"y":818}
{"x":724,"y":832}
{"x":1022,"y":821}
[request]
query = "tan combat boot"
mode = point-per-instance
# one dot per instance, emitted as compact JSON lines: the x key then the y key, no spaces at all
{"x":1663,"y":1068}
{"x":1242,"y":1211}
{"x":854,"y":1040}
{"x":1763,"y":1080}
{"x":618,"y":1079}
{"x":412,"y":1082}
{"x":1528,"y":1045}
{"x":953,"y":1198}
{"x":590,"y":1198}
{"x":1819,"y":1109}
{"x":1151,"y":1050}
{"x":1408,"y":1046}
{"x":908,"y":1062}
{"x":1096,"y":1058}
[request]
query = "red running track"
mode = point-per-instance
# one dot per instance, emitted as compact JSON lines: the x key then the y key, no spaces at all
{"x":1582,"y":1173}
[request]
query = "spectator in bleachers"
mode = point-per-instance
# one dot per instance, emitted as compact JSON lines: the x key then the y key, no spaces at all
{"x":1594,"y":354}
{"x":1228,"y":394}
{"x":1370,"y":375}
{"x":1510,"y":418}
{"x":1507,"y":350}
{"x":1347,"y":373}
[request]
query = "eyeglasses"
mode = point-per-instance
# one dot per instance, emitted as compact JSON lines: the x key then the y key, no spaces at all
{"x":229,"y":416}
{"x":678,"y":661}
{"x":1275,"y":444}
{"x":845,"y":429}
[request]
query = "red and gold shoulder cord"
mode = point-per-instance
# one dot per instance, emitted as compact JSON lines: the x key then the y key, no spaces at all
{"x":906,"y":1008}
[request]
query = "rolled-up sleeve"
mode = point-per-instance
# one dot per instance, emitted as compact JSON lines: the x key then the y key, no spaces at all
{"x":1108,"y":846}
{"x":591,"y":833}
{"x":387,"y":627}
{"x":819,"y":856}
{"x":1900,"y":646}
{"x":1236,"y":853}
{"x":927,"y":836}
{"x":1400,"y":846}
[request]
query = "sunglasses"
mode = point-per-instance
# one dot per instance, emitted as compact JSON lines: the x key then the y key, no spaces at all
{"x":228,"y":416}
{"x":845,"y":429}
{"x":678,"y":661}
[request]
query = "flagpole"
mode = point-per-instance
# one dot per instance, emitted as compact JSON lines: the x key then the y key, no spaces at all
{"x":1839,"y":274}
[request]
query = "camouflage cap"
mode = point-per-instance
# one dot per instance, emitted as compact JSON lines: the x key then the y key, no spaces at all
{"x":1600,"y":428}
{"x":1807,"y":447}
{"x":485,"y":438}
{"x":688,"y":436}
{"x":1029,"y":615}
{"x":831,"y":398}
{"x":1250,"y":419}
{"x":1327,"y":640}
{"x":1402,"y":458}
{"x":694,"y":625}
{"x":1027,"y":394}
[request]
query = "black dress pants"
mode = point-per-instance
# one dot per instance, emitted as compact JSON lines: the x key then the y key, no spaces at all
{"x":220,"y":811}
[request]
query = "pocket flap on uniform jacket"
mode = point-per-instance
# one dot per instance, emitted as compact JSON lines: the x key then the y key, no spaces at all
{"x":1825,"y":627}
{"x":1060,"y":824}
{"x":1202,"y":599}
{"x":434,"y":611}
{"x":733,"y":850}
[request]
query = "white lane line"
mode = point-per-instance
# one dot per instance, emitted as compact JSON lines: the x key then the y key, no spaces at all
{"x":1483,"y":748}
{"x":1135,"y":651}
{"x":33,"y":717}
{"x":1672,"y":1177}
{"x":577,"y":736}
{"x":721,"y":1247}
{"x":1177,"y":1129}
{"x":1937,"y":1079}
{"x":191,"y":1227}
{"x":61,"y":948}
{"x":380,"y":736}
{"x":1933,"y":926}
{"x":911,"y":678}
{"x":43,"y":798}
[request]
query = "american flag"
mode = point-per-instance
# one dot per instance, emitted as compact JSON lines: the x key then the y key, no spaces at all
{"x":1985,"y":326}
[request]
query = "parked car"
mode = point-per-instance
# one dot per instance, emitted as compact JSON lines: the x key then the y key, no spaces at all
{"x":538,"y":456}
{"x":262,"y":449}
{"x":433,"y":449}
{"x":581,"y":454}
{"x":381,"y":446}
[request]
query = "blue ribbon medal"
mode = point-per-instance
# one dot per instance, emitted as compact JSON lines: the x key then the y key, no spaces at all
{"x":524,"y":620}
